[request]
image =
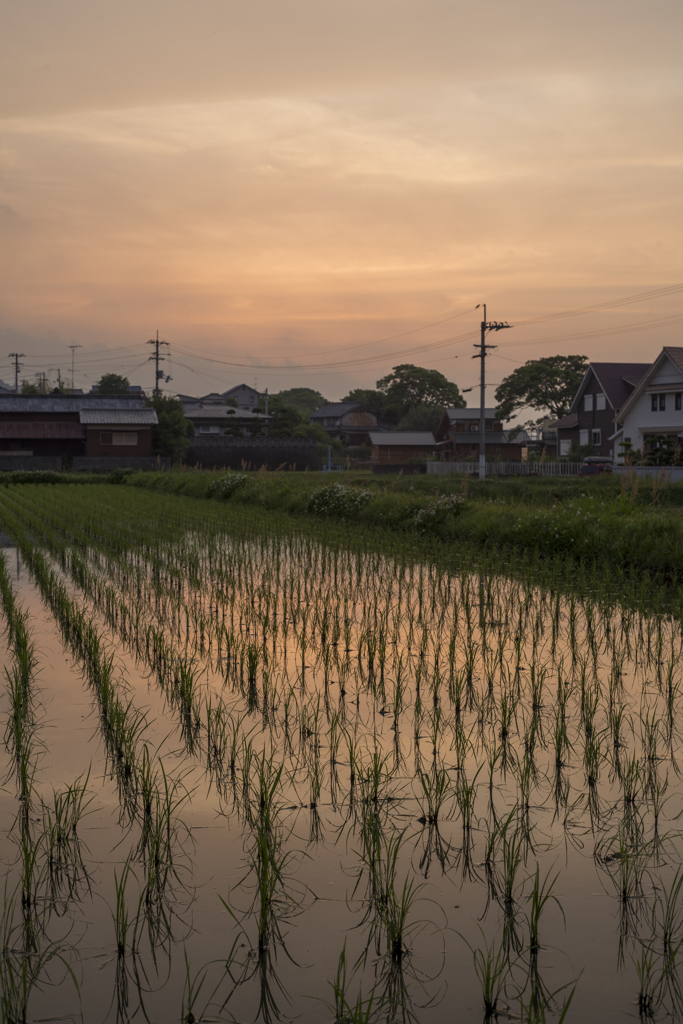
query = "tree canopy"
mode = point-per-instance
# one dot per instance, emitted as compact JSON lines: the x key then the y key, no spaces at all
{"x":171,"y":438}
{"x":406,"y":388}
{"x":547,"y":384}
{"x":304,"y":400}
{"x":113,"y":384}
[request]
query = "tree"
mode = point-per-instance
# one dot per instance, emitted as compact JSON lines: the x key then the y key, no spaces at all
{"x":421,"y":417}
{"x":547,"y":384}
{"x":304,"y":400}
{"x":283,"y":418}
{"x":407,"y":386}
{"x":113,"y":384}
{"x":374,"y":401}
{"x":171,"y":438}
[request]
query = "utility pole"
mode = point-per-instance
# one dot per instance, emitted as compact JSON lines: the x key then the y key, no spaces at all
{"x":73,"y":363}
{"x":483,"y":348}
{"x":156,"y":359}
{"x":16,"y":356}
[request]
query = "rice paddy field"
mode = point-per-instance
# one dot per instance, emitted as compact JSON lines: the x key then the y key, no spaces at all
{"x":257,"y":770}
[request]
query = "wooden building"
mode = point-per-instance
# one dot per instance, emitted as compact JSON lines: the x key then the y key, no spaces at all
{"x":398,"y":447}
{"x":458,"y":437}
{"x":348,"y":421}
{"x":75,"y":425}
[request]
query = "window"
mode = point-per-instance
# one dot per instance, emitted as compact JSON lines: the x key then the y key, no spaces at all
{"x":204,"y":429}
{"x":659,"y":403}
{"x":474,"y":448}
{"x":583,"y":438}
{"x":662,"y":403}
{"x":565,"y":446}
{"x":108,"y":437}
{"x":596,"y":437}
{"x":588,"y":403}
{"x":600,"y":402}
{"x":679,"y":396}
{"x":474,"y":427}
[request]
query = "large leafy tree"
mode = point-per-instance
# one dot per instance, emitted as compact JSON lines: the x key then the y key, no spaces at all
{"x":304,"y":400}
{"x":407,"y":386}
{"x":113,"y":384}
{"x":547,"y":385}
{"x":171,"y":438}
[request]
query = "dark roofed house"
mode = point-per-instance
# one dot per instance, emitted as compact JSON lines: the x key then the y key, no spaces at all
{"x":458,"y":436}
{"x":605,"y":388}
{"x":398,"y":447}
{"x":74,"y":425}
{"x":215,"y":418}
{"x":349,"y":421}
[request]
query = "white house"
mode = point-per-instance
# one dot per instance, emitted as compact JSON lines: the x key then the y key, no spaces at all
{"x":655,"y":405}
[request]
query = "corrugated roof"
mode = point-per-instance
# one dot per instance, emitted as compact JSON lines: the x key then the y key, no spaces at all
{"x":112,"y":417}
{"x":65,"y":403}
{"x":402,"y":437}
{"x":37,"y":431}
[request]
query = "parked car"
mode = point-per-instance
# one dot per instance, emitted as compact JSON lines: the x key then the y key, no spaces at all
{"x":594,"y":464}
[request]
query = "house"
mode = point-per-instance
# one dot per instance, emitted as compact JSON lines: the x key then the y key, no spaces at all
{"x":246,"y":397}
{"x":654,"y":407}
{"x":602,"y":393}
{"x":458,"y":436}
{"x":75,"y":425}
{"x":401,"y":446}
{"x":349,"y":421}
{"x":214,"y":418}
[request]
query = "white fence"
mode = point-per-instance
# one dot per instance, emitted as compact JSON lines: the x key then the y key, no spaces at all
{"x":506,"y":468}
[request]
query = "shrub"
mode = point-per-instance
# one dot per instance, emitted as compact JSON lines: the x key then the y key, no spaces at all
{"x":435,"y":512}
{"x":338,"y":501}
{"x":223,"y":487}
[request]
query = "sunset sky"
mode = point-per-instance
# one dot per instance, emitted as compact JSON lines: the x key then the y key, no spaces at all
{"x":288,"y":183}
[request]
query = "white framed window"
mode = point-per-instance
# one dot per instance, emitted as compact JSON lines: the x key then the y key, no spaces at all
{"x":596,"y":437}
{"x":565,"y":446}
{"x":588,"y":403}
{"x":679,"y":403}
{"x":118,"y":437}
{"x":600,"y":402}
{"x":662,"y":402}
{"x":659,"y":402}
{"x":583,"y":438}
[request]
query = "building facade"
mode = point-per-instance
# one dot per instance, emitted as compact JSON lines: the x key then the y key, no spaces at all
{"x":590,"y":420}
{"x":654,"y":409}
{"x":458,"y":437}
{"x":68,"y":425}
{"x":399,"y":447}
{"x":348,"y":421}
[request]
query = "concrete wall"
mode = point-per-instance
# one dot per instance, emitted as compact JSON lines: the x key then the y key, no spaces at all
{"x":253,"y":452}
{"x":8,"y":463}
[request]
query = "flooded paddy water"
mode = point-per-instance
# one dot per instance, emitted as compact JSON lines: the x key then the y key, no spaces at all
{"x":250,"y":775}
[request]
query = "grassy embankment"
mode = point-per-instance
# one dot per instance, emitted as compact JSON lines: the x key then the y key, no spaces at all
{"x":626,"y":528}
{"x":630,"y":529}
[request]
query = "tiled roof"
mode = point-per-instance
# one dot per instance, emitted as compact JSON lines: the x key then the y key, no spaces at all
{"x":223,"y":412}
{"x":111,"y":417}
{"x":470,"y":414}
{"x":402,"y":437}
{"x":334,"y":409}
{"x":65,"y":403}
{"x":675,"y":355}
{"x":615,"y":378}
{"x":30,"y":430}
{"x":565,"y":422}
